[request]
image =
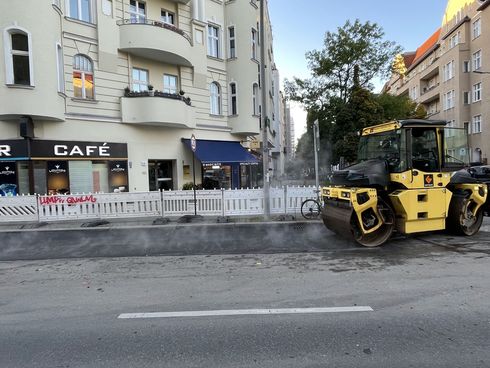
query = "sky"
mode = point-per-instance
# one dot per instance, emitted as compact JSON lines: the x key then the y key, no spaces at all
{"x":300,"y":26}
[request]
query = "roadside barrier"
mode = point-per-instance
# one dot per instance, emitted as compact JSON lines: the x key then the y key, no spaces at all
{"x":233,"y":202}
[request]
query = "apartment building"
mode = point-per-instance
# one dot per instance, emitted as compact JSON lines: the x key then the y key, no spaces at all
{"x":289,"y":134}
{"x":449,"y":74}
{"x":105,"y":95}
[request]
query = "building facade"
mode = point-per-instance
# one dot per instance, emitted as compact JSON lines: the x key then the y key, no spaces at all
{"x":105,"y":95}
{"x":449,"y":74}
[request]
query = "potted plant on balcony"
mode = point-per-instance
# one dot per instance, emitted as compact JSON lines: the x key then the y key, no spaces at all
{"x":151,"y":92}
{"x":127,"y":91}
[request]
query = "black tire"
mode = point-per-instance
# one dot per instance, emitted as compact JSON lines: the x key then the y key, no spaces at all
{"x":460,"y":220}
{"x":311,"y":209}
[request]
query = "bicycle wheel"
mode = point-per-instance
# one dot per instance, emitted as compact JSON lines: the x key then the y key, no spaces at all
{"x":310,"y":209}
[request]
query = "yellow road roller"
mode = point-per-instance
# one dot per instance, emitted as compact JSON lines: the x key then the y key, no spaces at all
{"x":412,"y":176}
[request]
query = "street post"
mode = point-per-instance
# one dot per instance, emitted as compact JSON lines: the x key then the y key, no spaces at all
{"x":193,"y":147}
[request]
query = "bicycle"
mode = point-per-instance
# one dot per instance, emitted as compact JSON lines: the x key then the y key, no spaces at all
{"x":311,"y":208}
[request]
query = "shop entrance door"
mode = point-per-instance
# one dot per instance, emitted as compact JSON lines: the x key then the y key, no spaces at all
{"x":161,"y":174}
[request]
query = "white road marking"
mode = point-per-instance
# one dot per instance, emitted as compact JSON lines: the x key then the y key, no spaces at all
{"x":244,"y":312}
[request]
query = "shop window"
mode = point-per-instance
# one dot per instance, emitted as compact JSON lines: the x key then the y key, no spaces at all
{"x":18,"y":57}
{"x":83,"y":77}
{"x":81,"y":180}
{"x":100,"y":177}
{"x":217,"y":177}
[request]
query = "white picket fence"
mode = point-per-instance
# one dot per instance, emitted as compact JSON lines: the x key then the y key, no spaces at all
{"x":237,"y":202}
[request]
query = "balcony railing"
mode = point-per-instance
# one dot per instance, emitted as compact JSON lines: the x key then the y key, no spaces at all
{"x":156,"y":23}
{"x":173,"y":96}
{"x":428,"y":89}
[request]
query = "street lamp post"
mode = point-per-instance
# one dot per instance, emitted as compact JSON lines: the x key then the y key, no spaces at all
{"x":263,"y":114}
{"x":316,"y":147}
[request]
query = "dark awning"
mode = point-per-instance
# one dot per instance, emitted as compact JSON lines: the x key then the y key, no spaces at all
{"x":214,"y":152}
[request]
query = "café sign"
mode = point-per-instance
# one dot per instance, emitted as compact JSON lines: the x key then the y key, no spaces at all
{"x":62,"y":149}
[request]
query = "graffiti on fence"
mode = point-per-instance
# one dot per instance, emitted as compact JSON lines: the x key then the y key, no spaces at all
{"x":71,"y":200}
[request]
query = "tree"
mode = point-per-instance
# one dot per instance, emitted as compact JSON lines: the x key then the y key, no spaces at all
{"x":332,"y":67}
{"x":338,"y":93}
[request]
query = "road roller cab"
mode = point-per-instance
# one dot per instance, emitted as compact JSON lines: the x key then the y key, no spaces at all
{"x":411,"y":177}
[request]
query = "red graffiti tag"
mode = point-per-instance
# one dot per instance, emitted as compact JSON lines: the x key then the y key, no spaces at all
{"x":71,"y":200}
{"x":46,"y":201}
{"x":81,"y":199}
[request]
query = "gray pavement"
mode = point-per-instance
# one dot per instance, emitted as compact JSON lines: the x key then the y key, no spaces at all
{"x":145,"y":237}
{"x":430,"y":297}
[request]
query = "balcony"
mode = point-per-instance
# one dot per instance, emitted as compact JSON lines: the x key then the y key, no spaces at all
{"x":161,"y":109}
{"x":181,"y":1}
{"x":429,"y":94}
{"x":155,"y":40}
{"x":40,"y":103}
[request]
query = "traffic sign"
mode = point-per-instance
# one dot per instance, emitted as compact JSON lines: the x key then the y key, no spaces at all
{"x":193,"y":143}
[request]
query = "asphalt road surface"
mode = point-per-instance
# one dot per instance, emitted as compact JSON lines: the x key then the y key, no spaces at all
{"x":430,"y":302}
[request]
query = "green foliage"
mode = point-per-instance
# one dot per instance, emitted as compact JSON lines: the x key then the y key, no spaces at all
{"x":339,"y":92}
{"x":333,"y":67}
{"x":188,"y":186}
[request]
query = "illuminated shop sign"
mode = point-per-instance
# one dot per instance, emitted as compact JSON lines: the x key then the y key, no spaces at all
{"x":62,"y":149}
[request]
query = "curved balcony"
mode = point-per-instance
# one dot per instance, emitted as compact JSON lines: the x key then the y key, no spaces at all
{"x":161,"y":109}
{"x":40,"y":103}
{"x":155,"y":40}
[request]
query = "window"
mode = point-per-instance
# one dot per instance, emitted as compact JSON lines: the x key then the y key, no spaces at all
{"x":254,"y":44}
{"x":455,"y":40}
{"x":414,"y":93}
{"x":466,"y":66}
{"x":477,"y":28}
{"x":213,"y":41}
{"x":466,"y":126}
{"x":107,"y":7}
{"x":232,"y":42}
{"x":167,"y":17}
{"x":449,"y":100}
{"x":170,"y":84}
{"x":140,"y":80}
{"x":466,"y":98}
{"x":18,"y":57}
{"x":137,"y":11}
{"x":477,"y":60}
{"x":60,"y":68}
{"x":83,"y":77}
{"x":233,"y":107}
{"x":81,"y":10}
{"x":450,"y":132}
{"x":476,"y":126}
{"x":215,"y":98}
{"x":448,"y":71}
{"x":477,"y":92}
{"x":255,"y":99}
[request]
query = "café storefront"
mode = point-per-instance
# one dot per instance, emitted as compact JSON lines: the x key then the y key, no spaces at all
{"x":225,"y":164}
{"x":60,"y":167}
